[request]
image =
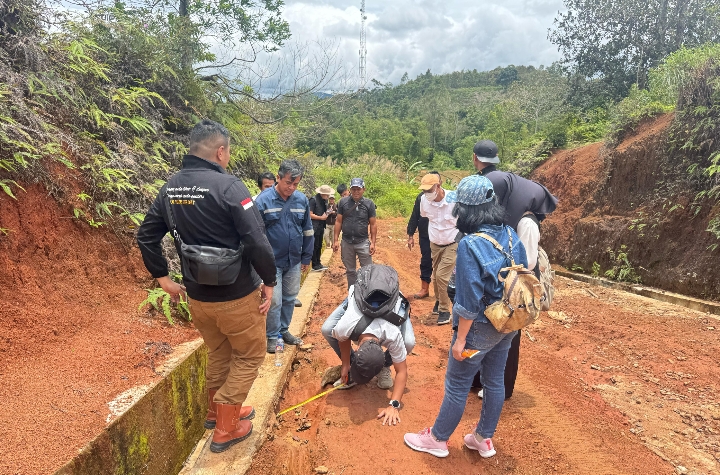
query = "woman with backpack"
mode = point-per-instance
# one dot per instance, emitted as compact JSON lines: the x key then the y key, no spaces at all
{"x":478,"y":212}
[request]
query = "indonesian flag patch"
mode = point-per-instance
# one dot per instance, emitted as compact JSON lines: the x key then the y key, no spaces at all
{"x":247,"y":203}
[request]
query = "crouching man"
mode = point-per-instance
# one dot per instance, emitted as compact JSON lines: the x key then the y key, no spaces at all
{"x":374,"y":315}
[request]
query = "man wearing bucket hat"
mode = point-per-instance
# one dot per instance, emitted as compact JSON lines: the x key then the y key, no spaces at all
{"x":356,"y":214}
{"x":319,"y":214}
{"x":286,"y":214}
{"x":526,"y":204}
{"x":442,"y":232}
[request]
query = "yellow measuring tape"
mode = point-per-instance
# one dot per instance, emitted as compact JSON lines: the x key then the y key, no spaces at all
{"x":310,"y":400}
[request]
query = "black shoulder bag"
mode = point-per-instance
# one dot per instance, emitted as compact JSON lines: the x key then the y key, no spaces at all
{"x":205,"y":265}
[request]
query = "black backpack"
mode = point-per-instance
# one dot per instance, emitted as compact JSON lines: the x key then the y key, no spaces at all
{"x":377,"y":295}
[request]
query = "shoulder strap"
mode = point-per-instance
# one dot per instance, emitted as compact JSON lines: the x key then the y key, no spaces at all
{"x":364,"y":322}
{"x":498,"y":246}
{"x":171,"y":218}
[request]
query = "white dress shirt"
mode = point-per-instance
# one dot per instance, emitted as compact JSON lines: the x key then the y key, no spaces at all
{"x":442,"y":224}
{"x":529,"y":234}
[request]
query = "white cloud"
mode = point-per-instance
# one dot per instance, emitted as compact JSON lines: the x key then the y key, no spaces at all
{"x":441,"y":35}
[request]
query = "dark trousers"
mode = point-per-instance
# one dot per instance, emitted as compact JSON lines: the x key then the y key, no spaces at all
{"x":317,"y":247}
{"x":511,"y":367}
{"x":426,"y":266}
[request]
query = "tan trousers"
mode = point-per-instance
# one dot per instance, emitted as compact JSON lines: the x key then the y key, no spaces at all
{"x":443,"y":261}
{"x":234,"y":333}
{"x":329,"y":234}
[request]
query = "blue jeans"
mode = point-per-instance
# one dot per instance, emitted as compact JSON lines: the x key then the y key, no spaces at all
{"x":406,"y":330}
{"x":493,"y":347}
{"x":283,"y":301}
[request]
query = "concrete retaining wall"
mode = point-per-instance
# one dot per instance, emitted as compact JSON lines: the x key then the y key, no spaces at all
{"x":157,"y":433}
{"x":163,"y":433}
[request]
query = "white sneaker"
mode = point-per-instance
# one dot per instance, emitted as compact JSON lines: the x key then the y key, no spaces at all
{"x":480,"y":394}
{"x":384,"y":379}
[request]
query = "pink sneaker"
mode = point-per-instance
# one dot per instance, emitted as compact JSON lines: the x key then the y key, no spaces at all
{"x":485,"y":447}
{"x":425,"y":442}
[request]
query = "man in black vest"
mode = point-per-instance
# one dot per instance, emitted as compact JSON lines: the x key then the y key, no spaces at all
{"x":319,"y":214}
{"x":356,"y":214}
{"x":213,"y":208}
{"x":526,"y":203}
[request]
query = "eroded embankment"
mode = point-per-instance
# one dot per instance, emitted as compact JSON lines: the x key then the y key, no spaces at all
{"x":639,"y":195}
{"x":71,"y":336}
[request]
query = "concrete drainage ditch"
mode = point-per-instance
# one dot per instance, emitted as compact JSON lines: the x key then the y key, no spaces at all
{"x":158,"y":429}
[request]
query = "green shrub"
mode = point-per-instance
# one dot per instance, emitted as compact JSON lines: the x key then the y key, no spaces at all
{"x":159,"y":300}
{"x":627,"y":114}
{"x":669,"y":78}
{"x":622,"y":270}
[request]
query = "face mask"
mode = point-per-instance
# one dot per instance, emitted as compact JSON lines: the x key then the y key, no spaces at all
{"x":431,"y":196}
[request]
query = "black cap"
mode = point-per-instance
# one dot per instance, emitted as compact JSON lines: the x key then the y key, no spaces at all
{"x":486,"y":151}
{"x":369,"y":361}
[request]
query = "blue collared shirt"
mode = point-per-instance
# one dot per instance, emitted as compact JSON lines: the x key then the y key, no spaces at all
{"x":291,"y":233}
{"x":477,"y":268}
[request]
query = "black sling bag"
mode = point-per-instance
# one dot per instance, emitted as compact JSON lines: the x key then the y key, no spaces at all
{"x":205,"y":265}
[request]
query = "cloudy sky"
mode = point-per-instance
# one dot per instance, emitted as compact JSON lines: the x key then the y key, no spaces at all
{"x":441,"y":35}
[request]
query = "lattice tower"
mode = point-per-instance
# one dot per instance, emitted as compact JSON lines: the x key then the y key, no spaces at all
{"x":363,"y":47}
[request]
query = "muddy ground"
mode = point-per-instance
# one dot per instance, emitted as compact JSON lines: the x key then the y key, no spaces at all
{"x":610,"y":383}
{"x":71,"y":336}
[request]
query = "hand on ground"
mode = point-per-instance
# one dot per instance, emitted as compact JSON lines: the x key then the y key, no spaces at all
{"x":390,"y":416}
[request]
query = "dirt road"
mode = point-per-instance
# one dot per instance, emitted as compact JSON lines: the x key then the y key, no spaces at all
{"x":613,"y":384}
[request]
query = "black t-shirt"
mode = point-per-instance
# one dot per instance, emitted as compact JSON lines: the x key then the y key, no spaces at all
{"x":318,"y":206}
{"x":356,"y":218}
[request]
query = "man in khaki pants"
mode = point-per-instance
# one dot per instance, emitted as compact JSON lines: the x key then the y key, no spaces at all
{"x":211,"y":213}
{"x":442,"y":232}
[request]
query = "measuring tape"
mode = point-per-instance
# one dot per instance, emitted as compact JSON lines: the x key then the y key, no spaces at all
{"x":310,"y":400}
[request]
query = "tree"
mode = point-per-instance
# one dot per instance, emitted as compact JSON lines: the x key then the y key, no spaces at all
{"x":618,"y":41}
{"x":507,"y":76}
{"x":231,"y":23}
{"x":540,"y":95}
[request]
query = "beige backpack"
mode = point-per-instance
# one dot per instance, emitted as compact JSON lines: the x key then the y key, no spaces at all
{"x":547,"y":279}
{"x":522,"y":298}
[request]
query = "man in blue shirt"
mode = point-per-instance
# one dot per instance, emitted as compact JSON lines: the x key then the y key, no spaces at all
{"x":286,"y":214}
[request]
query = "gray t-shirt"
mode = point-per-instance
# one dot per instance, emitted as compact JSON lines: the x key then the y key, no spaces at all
{"x":355,"y":218}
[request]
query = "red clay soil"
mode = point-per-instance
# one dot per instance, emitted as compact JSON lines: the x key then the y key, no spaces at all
{"x":71,"y":336}
{"x":638,"y":194}
{"x":610,"y":383}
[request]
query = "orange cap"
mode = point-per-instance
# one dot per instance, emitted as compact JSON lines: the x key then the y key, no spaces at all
{"x":428,"y":181}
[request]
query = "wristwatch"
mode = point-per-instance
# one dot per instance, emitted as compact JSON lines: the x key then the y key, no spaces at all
{"x":394,"y":403}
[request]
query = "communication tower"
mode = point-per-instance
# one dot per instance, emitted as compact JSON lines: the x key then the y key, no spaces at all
{"x":363,"y":47}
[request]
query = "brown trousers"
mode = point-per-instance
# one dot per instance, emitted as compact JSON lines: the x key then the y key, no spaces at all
{"x":234,"y":333}
{"x":443,"y":260}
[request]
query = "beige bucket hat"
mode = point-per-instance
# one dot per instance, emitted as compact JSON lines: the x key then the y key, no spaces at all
{"x":324,"y":190}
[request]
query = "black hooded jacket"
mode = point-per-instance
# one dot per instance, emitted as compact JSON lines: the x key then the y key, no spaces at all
{"x":519,"y":195}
